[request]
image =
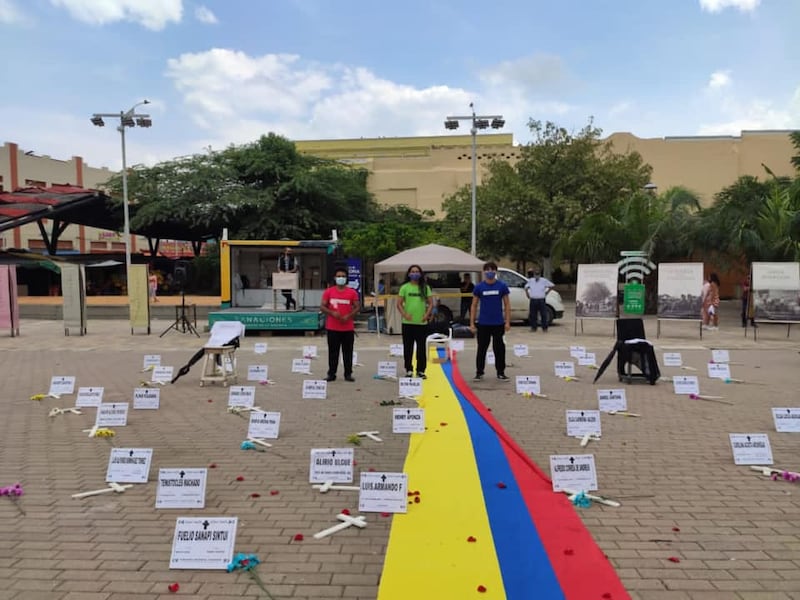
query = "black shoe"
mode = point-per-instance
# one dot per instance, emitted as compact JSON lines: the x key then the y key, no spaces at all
{"x":478,"y":377}
{"x":349,"y":378}
{"x":502,"y":377}
{"x":422,"y":375}
{"x":330,"y":378}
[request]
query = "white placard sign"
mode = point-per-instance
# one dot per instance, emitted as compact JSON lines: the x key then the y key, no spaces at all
{"x":203,"y":543}
{"x":672,"y":359}
{"x":383,"y":492}
{"x":151,"y":360}
{"x":301,"y":365}
{"x":129,"y":465}
{"x":242,"y":396}
{"x":331,"y":464}
{"x":719,"y":370}
{"x":490,"y":357}
{"x":162,"y":374}
{"x":264,"y":425}
{"x":787,"y":420}
{"x":751,"y":449}
{"x":577,"y":351}
{"x":310,"y":351}
{"x":528,"y":384}
{"x":60,"y":385}
{"x":315,"y":389}
{"x":587,"y":360}
{"x":260,"y":348}
{"x":395,"y":349}
{"x":564,"y":368}
{"x":146,"y":399}
{"x":457,"y":345}
{"x":387,"y":368}
{"x":612,"y":400}
{"x":720,"y":356}
{"x":521,"y":350}
{"x":408,"y":420}
{"x":685,"y":384}
{"x":257,"y":372}
{"x":112,"y":415}
{"x":410,"y":387}
{"x":581,"y":422}
{"x":181,"y":488}
{"x":574,"y":472}
{"x":89,"y":397}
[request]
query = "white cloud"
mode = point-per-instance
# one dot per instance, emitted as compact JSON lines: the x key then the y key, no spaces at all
{"x":152,"y":14}
{"x":204,"y":15}
{"x":714,"y":6}
{"x":9,"y":13}
{"x":538,"y":75}
{"x":719,"y":79}
{"x":754,"y":114}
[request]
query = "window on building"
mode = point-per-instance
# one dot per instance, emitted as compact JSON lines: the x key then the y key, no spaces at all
{"x":98,"y":247}
{"x":118,"y":246}
{"x":34,"y":183}
{"x":34,"y":244}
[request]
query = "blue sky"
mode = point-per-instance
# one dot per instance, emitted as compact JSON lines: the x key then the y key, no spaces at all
{"x":225,"y":71}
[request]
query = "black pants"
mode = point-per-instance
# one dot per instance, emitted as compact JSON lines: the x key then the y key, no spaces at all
{"x":415,"y":334}
{"x":537,"y":307}
{"x":340,"y":340}
{"x":495,"y":334}
{"x":287,"y":294}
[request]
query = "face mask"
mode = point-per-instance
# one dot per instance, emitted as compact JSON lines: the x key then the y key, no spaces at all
{"x":341,"y":280}
{"x":414,"y":276}
{"x":490,"y":275}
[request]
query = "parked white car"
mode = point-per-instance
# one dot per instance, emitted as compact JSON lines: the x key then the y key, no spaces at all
{"x":446,"y":284}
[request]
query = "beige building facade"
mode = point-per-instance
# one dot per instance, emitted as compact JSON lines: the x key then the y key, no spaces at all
{"x":419,"y":172}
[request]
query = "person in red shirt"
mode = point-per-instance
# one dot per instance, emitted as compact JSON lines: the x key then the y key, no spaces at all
{"x":340,"y":303}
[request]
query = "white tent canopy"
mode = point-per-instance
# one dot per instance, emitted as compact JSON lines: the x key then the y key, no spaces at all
{"x":432,"y":257}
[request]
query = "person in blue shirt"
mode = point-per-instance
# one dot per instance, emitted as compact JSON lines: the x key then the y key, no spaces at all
{"x":493,"y":321}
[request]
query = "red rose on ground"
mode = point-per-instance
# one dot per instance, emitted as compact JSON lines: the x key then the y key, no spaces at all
{"x":371,"y":470}
{"x":345,"y":511}
{"x":481,"y":589}
{"x":210,"y":400}
{"x":674,"y":559}
{"x":676,"y":529}
{"x":274,"y":492}
{"x":239,"y":478}
{"x":472,"y":538}
{"x":212,"y":466}
{"x":501,"y":485}
{"x":173,"y":587}
{"x":255,"y":495}
{"x":386,"y":514}
{"x":298,"y":537}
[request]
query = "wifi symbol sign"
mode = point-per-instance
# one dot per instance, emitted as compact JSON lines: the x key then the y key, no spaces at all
{"x":634,"y":268}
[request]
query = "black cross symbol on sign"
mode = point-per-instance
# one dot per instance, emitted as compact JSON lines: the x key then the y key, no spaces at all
{"x":748,"y":438}
{"x":130,"y":453}
{"x":581,"y":413}
{"x":572,"y":460}
{"x":182,"y":473}
{"x":383,"y":478}
{"x":205,"y":525}
{"x":333,"y":453}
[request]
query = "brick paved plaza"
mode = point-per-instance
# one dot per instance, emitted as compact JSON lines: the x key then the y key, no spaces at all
{"x":734,"y":533}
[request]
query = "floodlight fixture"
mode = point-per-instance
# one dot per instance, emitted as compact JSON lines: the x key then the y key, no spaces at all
{"x":144,"y":121}
{"x":97,"y":121}
{"x":498,"y":123}
{"x":127,"y":121}
{"x":481,"y":123}
{"x":451,"y":124}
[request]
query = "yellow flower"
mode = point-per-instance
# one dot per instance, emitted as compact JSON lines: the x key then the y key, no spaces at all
{"x":103,"y":432}
{"x":38,"y":396}
{"x":354,"y":439}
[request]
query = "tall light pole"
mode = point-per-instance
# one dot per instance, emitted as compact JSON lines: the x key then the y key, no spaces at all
{"x":129,"y":118}
{"x":477,"y":122}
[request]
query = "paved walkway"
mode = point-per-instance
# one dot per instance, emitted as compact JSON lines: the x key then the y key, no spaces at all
{"x":692,"y":524}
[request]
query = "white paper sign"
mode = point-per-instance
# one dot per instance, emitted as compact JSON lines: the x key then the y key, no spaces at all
{"x":129,"y":465}
{"x":61,"y":385}
{"x":490,"y":358}
{"x":309,"y":351}
{"x":395,"y":349}
{"x":301,"y":365}
{"x":264,"y":425}
{"x":612,"y":400}
{"x":564,"y":368}
{"x":383,"y":492}
{"x":528,"y":384}
{"x":112,"y":415}
{"x":787,"y":420}
{"x":581,"y":422}
{"x":457,"y":345}
{"x":260,"y":348}
{"x":685,"y":384}
{"x":720,"y":356}
{"x":181,"y":488}
{"x":162,"y":374}
{"x":577,"y":351}
{"x":146,"y":398}
{"x":89,"y":397}
{"x":573,"y":472}
{"x":672,"y":359}
{"x":520,"y":350}
{"x":408,"y":420}
{"x":587,"y":360}
{"x":331,"y":464}
{"x":315,"y":389}
{"x":203,"y":543}
{"x":243,"y":396}
{"x":719,"y":370}
{"x":387,"y":368}
{"x":257,"y":372}
{"x":751,"y":449}
{"x":410,"y":387}
{"x":151,"y":360}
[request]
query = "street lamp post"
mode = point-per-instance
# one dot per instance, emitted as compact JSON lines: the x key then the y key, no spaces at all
{"x":129,"y":118}
{"x":477,"y":122}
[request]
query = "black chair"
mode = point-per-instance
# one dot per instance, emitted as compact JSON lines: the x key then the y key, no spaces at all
{"x":632,"y":350}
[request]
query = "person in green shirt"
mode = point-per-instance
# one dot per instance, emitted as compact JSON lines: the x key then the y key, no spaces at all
{"x":415,"y":303}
